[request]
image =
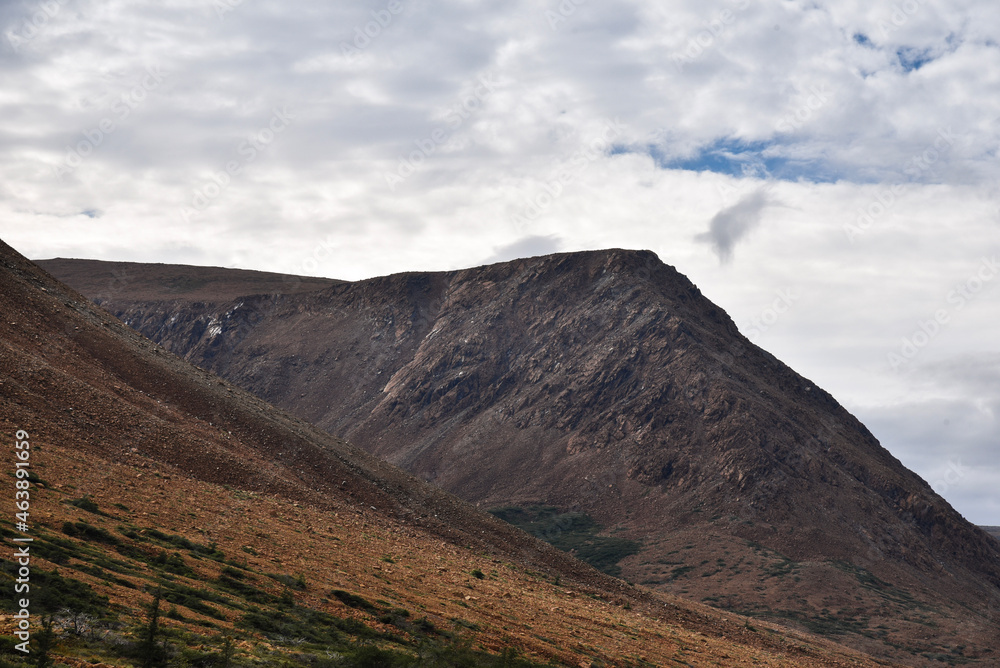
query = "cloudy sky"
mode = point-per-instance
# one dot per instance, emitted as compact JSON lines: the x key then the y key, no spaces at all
{"x":825,"y":171}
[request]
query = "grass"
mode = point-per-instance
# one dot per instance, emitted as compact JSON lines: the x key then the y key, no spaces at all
{"x":822,"y":623}
{"x":244,"y":590}
{"x":52,"y":592}
{"x":312,"y":637}
{"x":87,"y":504}
{"x":196,"y":550}
{"x":576,"y":533}
{"x":289,"y":581}
{"x":194,"y":599}
{"x":781,"y":568}
{"x":57,"y":550}
{"x":352,"y":600}
{"x":880,"y":587}
{"x":89,"y":532}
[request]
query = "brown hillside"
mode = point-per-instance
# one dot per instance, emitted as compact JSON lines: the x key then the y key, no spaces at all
{"x":164,"y":449}
{"x":604,"y":383}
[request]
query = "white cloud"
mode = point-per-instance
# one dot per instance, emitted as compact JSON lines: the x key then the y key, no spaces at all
{"x":733,"y":223}
{"x":843,"y":104}
{"x":527,"y":247}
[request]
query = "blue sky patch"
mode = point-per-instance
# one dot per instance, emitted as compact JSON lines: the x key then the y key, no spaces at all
{"x":911,"y":59}
{"x":748,"y":159}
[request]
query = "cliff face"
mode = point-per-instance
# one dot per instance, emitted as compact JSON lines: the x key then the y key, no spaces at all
{"x":604,"y":383}
{"x":264,"y":515}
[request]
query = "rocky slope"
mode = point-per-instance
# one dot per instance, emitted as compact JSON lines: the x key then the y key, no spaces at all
{"x":604,"y":383}
{"x":152,"y":473}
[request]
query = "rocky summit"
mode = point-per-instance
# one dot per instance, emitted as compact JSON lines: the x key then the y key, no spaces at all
{"x":601,"y":400}
{"x":262,"y":540}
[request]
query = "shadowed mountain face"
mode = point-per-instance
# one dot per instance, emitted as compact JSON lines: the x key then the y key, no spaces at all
{"x":134,"y":450}
{"x":604,"y":384}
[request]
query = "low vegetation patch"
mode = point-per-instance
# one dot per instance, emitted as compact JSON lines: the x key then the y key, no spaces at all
{"x":353,"y":600}
{"x":89,"y":532}
{"x":576,"y":533}
{"x":86,"y":503}
{"x":53,"y":592}
{"x":879,"y":586}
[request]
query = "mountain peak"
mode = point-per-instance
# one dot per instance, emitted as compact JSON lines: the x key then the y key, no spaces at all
{"x":641,"y":264}
{"x":604,"y":384}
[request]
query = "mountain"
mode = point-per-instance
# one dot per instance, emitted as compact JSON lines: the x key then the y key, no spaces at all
{"x":271,"y":542}
{"x":594,"y":397}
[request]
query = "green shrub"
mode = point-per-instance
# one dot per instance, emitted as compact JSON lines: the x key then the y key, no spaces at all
{"x":172,"y":563}
{"x":86,"y":503}
{"x":353,"y":600}
{"x":150,"y":652}
{"x":369,"y":656}
{"x":245,"y":590}
{"x":234,"y":573}
{"x":194,"y":599}
{"x":129,"y":532}
{"x":196,"y":549}
{"x":575,"y":533}
{"x":89,"y":532}
{"x":43,"y":641}
{"x":396,"y":617}
{"x":312,"y":625}
{"x":55,"y":549}
{"x":51,"y":592}
{"x":289,"y":581}
{"x":425,"y":625}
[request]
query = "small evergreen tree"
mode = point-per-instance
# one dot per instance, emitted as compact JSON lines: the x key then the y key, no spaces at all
{"x":150,"y":653}
{"x":227,"y":652}
{"x":46,"y":637}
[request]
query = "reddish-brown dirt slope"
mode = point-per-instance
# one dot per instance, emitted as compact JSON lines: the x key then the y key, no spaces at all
{"x":164,"y":446}
{"x":606,"y":383}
